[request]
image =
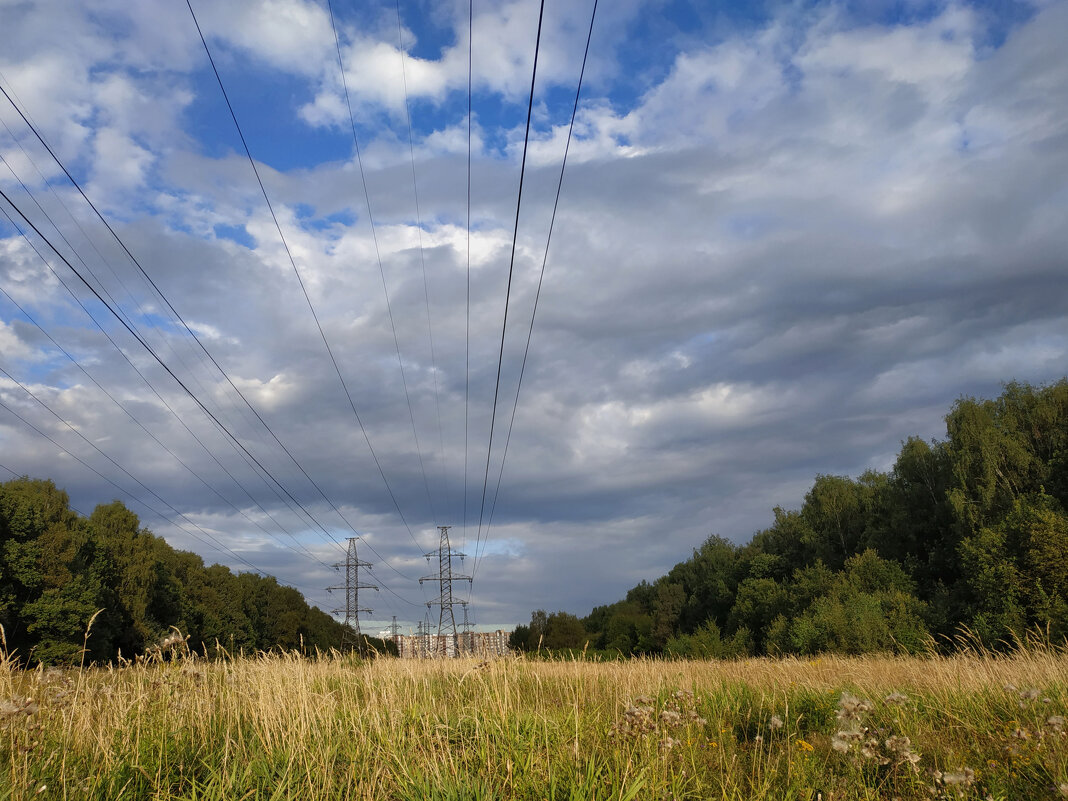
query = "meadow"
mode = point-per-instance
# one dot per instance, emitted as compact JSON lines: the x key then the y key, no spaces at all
{"x":285,"y":725}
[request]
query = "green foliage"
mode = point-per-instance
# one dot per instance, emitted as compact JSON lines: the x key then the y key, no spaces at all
{"x":969,"y":532}
{"x":57,"y":570}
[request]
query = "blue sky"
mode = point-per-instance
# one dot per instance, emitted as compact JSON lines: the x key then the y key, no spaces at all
{"x":790,"y":236}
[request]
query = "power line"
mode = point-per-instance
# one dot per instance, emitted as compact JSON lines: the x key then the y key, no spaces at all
{"x":133,"y":366}
{"x":385,"y":289}
{"x":170,"y":306}
{"x":141,"y":425}
{"x":219,"y":545}
{"x":422,"y":258}
{"x":168,"y":369}
{"x":511,"y":268}
{"x":133,"y":259}
{"x":541,"y":278}
{"x":149,"y":384}
{"x":304,"y":289}
{"x":467,"y":336}
{"x":285,"y":244}
{"x":92,"y":244}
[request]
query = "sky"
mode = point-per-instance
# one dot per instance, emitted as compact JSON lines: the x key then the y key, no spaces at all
{"x":790,"y":235}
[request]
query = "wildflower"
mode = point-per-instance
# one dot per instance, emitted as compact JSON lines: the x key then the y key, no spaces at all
{"x":1021,"y":734}
{"x":1056,"y":722}
{"x":965,"y":777}
{"x":804,"y":746}
{"x":898,"y":744}
{"x":670,"y":717}
{"x":870,"y":750}
{"x":852,"y":708}
{"x":896,"y":699}
{"x":775,"y":723}
{"x":1063,"y":789}
{"x":1029,"y":695}
{"x":843,"y":740}
{"x":16,"y":706}
{"x":643,"y":700}
{"x":668,"y":742}
{"x":758,"y":739}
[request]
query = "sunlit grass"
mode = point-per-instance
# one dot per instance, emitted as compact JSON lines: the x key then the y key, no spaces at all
{"x":287,"y":726}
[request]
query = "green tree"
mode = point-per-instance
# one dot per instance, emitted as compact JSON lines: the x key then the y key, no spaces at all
{"x":563,"y":630}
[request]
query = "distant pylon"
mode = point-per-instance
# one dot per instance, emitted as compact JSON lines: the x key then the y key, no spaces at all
{"x":466,"y":639}
{"x":352,"y":586}
{"x":427,"y":637}
{"x":445,"y":578}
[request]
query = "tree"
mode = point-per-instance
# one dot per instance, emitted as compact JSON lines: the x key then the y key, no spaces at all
{"x":563,"y":630}
{"x":57,"y":571}
{"x":670,"y":598}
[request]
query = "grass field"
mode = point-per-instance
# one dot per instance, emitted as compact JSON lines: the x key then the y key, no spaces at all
{"x":285,"y":726}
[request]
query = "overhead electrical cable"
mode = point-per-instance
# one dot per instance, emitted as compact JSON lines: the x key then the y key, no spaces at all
{"x":92,"y":244}
{"x":217,"y":546}
{"x":511,"y":269}
{"x":385,"y":289}
{"x":160,"y":397}
{"x":145,"y":344}
{"x":214,"y":418}
{"x":222,"y":547}
{"x":184,"y":387}
{"x":304,"y":289}
{"x":467,"y":336}
{"x":422,"y":257}
{"x":12,"y":98}
{"x":191,"y":395}
{"x":78,"y":256}
{"x":303,"y":550}
{"x":541,"y":278}
{"x":148,"y":383}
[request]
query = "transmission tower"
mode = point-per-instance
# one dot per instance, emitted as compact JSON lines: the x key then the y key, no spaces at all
{"x":444,"y":579}
{"x":467,"y":640}
{"x":352,"y":586}
{"x":427,"y":641}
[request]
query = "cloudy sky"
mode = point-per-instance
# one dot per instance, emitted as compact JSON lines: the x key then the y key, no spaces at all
{"x":790,"y":236}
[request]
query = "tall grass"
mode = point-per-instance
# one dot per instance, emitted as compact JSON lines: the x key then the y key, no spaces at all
{"x":334,"y":727}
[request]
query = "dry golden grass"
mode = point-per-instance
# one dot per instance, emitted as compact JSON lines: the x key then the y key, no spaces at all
{"x":285,"y":726}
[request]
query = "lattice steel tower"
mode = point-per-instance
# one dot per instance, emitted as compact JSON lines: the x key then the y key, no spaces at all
{"x":445,"y":578}
{"x":468,"y":641}
{"x":352,"y":587}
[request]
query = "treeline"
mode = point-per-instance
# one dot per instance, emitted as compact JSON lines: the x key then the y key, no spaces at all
{"x":58,"y":569}
{"x":968,"y":534}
